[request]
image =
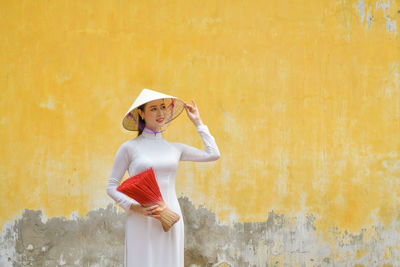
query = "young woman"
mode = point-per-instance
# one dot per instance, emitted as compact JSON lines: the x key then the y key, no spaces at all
{"x":146,"y":244}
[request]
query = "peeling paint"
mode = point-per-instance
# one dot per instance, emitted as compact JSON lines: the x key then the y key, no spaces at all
{"x":302,"y":97}
{"x":385,"y":6}
{"x":8,"y":240}
{"x":49,"y":103}
{"x":366,"y":14}
{"x":283,"y":241}
{"x":361,"y":9}
{"x":98,"y":240}
{"x":95,"y":240}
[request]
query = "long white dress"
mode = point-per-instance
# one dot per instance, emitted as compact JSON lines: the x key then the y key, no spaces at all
{"x":146,"y":244}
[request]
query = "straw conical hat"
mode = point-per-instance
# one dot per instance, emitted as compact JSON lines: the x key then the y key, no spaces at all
{"x":174,"y":105}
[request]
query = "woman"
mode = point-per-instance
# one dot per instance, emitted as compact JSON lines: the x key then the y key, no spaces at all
{"x":146,"y":244}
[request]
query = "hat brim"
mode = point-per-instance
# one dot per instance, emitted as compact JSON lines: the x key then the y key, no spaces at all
{"x":174,"y":107}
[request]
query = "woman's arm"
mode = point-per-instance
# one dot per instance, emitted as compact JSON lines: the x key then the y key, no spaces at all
{"x":121,"y":164}
{"x":211,"y":151}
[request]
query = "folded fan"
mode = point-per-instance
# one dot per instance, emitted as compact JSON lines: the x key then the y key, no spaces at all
{"x":144,"y":189}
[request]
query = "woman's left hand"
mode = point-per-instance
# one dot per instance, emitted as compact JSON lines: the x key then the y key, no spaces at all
{"x":193,"y":113}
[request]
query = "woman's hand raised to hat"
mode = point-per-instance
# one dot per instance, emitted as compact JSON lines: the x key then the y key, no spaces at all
{"x":193,"y":113}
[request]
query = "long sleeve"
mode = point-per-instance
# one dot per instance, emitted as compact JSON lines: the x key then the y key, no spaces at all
{"x":210,"y":153}
{"x":121,"y":164}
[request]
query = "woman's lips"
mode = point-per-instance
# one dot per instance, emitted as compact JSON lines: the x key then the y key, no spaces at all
{"x":160,"y":120}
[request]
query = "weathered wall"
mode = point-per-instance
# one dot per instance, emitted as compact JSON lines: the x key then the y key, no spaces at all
{"x":303,"y":98}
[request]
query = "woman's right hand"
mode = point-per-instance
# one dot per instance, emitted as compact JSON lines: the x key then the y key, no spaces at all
{"x":146,"y":211}
{"x":193,"y":113}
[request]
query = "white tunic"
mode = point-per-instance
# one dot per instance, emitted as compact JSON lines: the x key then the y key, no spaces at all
{"x":146,"y":244}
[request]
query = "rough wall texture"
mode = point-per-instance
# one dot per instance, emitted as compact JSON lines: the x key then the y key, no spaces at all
{"x":303,"y":98}
{"x":98,"y":240}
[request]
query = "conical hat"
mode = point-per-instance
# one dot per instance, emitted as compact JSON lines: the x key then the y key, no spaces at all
{"x":174,"y":105}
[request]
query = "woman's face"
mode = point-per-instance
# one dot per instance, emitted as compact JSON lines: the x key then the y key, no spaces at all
{"x":154,"y":114}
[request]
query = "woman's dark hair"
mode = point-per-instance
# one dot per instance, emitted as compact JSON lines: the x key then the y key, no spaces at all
{"x":141,"y":122}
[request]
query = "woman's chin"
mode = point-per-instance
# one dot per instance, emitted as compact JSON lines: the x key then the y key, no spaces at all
{"x":157,"y":127}
{"x":161,"y":123}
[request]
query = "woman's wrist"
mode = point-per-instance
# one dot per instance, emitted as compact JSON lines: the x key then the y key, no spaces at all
{"x":197,"y":122}
{"x":135,"y":207}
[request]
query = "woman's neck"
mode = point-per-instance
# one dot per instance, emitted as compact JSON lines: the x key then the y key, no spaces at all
{"x":153,"y":130}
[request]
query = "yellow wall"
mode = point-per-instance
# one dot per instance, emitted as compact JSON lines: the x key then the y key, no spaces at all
{"x":303,"y":98}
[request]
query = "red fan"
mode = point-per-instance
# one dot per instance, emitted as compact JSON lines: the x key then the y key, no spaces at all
{"x":144,"y":189}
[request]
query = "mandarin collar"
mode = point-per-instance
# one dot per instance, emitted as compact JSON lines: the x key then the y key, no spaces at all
{"x":147,"y":133}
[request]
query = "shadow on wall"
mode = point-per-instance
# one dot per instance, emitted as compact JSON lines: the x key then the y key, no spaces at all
{"x":98,"y":240}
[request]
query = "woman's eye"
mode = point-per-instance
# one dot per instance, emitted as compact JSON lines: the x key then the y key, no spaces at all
{"x":162,"y":107}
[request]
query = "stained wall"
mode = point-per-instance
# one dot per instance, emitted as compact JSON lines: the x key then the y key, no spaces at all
{"x":302,"y":97}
